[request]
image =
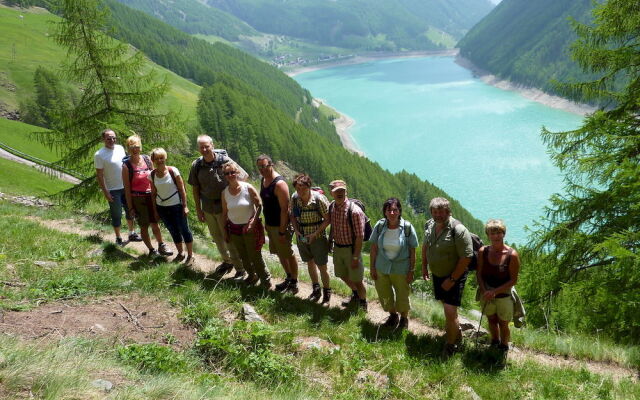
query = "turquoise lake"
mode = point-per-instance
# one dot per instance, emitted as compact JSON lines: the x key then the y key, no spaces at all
{"x":431,"y":117}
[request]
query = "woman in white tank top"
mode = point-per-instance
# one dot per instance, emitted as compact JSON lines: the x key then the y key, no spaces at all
{"x":241,"y":207}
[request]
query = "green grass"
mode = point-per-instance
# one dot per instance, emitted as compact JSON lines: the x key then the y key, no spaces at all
{"x":27,"y":43}
{"x":23,"y":179}
{"x":238,"y":360}
{"x":19,"y":136}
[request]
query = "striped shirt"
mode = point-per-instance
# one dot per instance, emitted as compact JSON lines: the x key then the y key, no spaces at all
{"x":309,"y":215}
{"x":340,"y":225}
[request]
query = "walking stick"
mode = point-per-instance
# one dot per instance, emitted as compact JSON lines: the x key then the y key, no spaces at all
{"x":480,"y":323}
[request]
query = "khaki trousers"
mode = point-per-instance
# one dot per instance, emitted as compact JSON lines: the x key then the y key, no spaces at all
{"x":227,"y":251}
{"x":251,"y":258}
{"x":393,"y":292}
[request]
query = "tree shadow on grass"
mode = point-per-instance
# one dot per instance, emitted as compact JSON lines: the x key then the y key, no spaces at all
{"x":145,"y":262}
{"x":377,"y":333}
{"x":112,"y":252}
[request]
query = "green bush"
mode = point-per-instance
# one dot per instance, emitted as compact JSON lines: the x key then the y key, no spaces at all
{"x":246,"y":349}
{"x":153,"y":358}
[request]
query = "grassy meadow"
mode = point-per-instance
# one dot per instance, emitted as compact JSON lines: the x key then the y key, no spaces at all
{"x":230,"y":358}
{"x":26,"y":43}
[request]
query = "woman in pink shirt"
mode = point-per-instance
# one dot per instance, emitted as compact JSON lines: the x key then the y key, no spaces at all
{"x":137,"y":187}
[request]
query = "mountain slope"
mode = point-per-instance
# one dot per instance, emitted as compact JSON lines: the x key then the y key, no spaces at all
{"x":192,"y":16}
{"x":528,"y":41}
{"x":370,"y":24}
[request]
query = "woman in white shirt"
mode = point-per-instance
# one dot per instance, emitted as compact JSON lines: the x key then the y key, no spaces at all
{"x":241,"y":207}
{"x":393,"y":259}
{"x":167,"y":188}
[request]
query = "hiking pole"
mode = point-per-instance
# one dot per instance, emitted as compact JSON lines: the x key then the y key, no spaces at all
{"x":480,"y":323}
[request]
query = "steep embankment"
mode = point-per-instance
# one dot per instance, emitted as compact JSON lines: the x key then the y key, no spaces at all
{"x":527,"y":42}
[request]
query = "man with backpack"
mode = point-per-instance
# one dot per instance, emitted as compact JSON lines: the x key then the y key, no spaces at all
{"x":274,"y":193}
{"x":447,"y":249}
{"x":207,"y":181}
{"x":348,"y":222}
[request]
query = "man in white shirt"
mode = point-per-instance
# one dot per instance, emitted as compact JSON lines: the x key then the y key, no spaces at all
{"x":108,"y":163}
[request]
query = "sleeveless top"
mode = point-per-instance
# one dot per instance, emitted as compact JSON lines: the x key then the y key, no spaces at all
{"x":495,"y":275}
{"x":270,"y":204}
{"x":140,"y":184}
{"x":240,"y":207}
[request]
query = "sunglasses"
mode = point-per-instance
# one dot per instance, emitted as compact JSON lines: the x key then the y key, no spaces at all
{"x":134,"y":147}
{"x":111,"y":138}
{"x":264,"y":166}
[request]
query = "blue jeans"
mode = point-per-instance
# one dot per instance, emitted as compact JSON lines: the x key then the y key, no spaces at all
{"x":115,"y":207}
{"x":176,"y":223}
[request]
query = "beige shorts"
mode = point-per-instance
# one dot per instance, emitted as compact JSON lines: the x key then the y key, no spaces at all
{"x":502,"y":306}
{"x":342,"y":257}
{"x":276,"y":246}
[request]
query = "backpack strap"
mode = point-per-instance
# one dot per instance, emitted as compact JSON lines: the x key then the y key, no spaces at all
{"x":407,"y":229}
{"x":173,"y":178}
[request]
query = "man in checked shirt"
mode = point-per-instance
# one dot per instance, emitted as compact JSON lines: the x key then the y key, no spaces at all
{"x":347,"y":237}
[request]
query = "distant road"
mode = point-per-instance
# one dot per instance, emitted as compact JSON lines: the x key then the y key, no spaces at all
{"x":60,"y":175}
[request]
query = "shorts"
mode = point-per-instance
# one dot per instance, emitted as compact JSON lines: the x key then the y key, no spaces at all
{"x":318,"y":251}
{"x":452,"y":296}
{"x":144,"y":210}
{"x":342,"y":257}
{"x":503,"y":306}
{"x":283,"y":250}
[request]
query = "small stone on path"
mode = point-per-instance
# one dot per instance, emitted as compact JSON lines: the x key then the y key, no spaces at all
{"x":472,"y":393}
{"x":46,"y":264}
{"x":102,"y":384}
{"x":376,"y":379}
{"x":93,"y":267}
{"x":250,"y":314}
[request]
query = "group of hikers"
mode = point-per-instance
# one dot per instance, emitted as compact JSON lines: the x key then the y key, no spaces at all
{"x":151,"y":191}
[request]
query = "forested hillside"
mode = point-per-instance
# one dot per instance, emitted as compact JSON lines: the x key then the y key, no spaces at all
{"x":202,"y":62}
{"x":192,"y":16}
{"x":367,"y":24}
{"x":250,"y":107}
{"x":528,"y":41}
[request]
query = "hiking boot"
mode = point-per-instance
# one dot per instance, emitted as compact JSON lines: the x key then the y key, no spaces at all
{"x":179,"y":257}
{"x":352,"y":300}
{"x":315,"y":294}
{"x":326,"y":296}
{"x":189,"y":261}
{"x":363,"y":305}
{"x":392,"y":321}
{"x":119,"y":241}
{"x":223,"y":269}
{"x":404,"y":323}
{"x":449,"y":349}
{"x":265,"y":283}
{"x":251,"y":279}
{"x":134,"y":237}
{"x":162,"y":249}
{"x":293,"y":288}
{"x":153,"y":253}
{"x":494,"y":344}
{"x":283,"y":286}
{"x":239,"y":275}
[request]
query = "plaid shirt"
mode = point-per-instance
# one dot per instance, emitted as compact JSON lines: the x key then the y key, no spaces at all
{"x":309,"y":216}
{"x":340,"y":225}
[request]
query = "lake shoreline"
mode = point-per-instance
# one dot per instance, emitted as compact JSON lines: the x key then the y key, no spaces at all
{"x":527,"y":92}
{"x":344,"y":123}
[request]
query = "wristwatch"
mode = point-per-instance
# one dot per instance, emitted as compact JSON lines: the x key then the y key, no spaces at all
{"x":355,"y":257}
{"x":452,"y":279}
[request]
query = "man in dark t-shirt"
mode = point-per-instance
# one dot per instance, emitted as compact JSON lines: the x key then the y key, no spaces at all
{"x":274,"y":193}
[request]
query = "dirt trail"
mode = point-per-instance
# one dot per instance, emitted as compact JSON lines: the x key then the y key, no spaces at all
{"x":375,"y":312}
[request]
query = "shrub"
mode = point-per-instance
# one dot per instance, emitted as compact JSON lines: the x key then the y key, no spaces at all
{"x":153,"y":358}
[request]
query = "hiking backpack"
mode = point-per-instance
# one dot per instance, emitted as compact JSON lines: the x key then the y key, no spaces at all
{"x":367,"y":222}
{"x":476,"y":242}
{"x":127,"y":161}
{"x":221,"y":159}
{"x":173,"y":178}
{"x":407,"y":228}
